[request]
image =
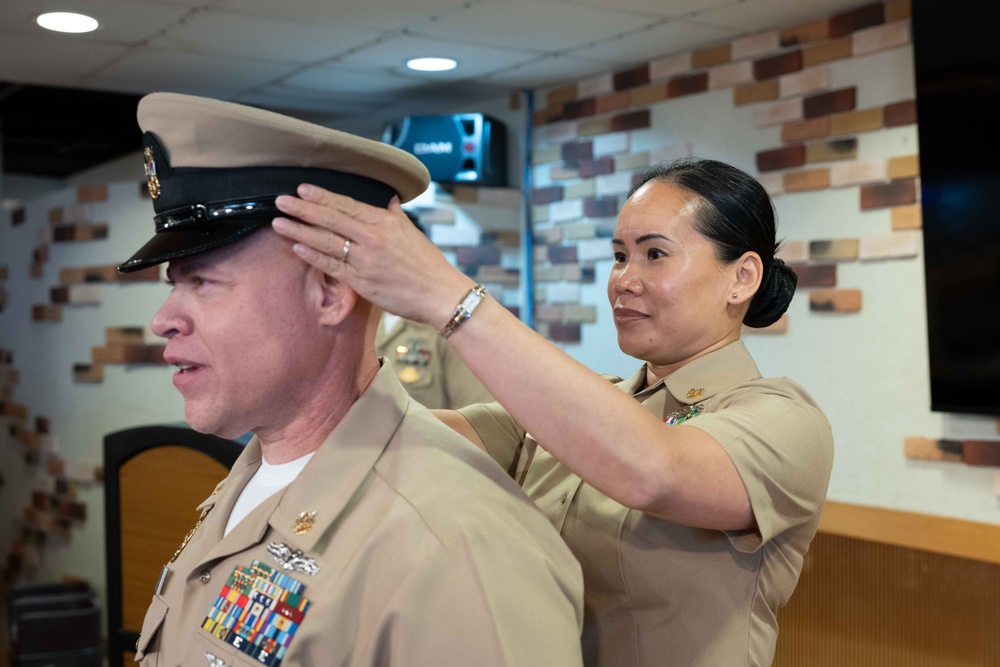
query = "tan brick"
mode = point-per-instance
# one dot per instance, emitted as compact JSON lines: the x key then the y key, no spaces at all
{"x":906,"y":217}
{"x":809,"y":179}
{"x":866,"y":120}
{"x":807,"y":81}
{"x":904,"y":167}
{"x":836,"y":49}
{"x":594,"y":86}
{"x":14,"y":411}
{"x":881,"y":38}
{"x":777,"y":113}
{"x":896,"y":245}
{"x":547,"y":154}
{"x":648,"y":94}
{"x":632,"y":161}
{"x":555,"y":98}
{"x":581,"y":190}
{"x":762,"y":91}
{"x":88,"y":373}
{"x":115,"y":336}
{"x":498,"y":275}
{"x":55,"y":216}
{"x":86,"y":194}
{"x":578,"y":231}
{"x":715,"y":55}
{"x":547,"y":274}
{"x":829,"y":151}
{"x":773,"y":182}
{"x":548,"y":312}
{"x":591,"y":127}
{"x":755,"y":45}
{"x":561,"y":173}
{"x":857,"y":172}
{"x":835,"y":300}
{"x":46,"y":313}
{"x":833,"y":250}
{"x":731,"y":74}
{"x":539,"y":213}
{"x":896,"y":10}
{"x":577,"y":314}
{"x":814,"y":128}
{"x":665,"y":68}
{"x":807,"y":32}
{"x":613,"y":101}
{"x":929,"y":449}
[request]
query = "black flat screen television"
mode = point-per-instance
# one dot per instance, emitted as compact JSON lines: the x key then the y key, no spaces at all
{"x":957,"y":66}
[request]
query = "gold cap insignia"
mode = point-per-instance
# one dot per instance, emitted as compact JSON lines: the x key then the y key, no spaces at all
{"x":695,"y":393}
{"x":152,"y":180}
{"x":304,"y":522}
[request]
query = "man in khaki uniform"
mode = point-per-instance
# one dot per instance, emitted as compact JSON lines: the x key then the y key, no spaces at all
{"x":430,"y":371}
{"x":355,"y":529}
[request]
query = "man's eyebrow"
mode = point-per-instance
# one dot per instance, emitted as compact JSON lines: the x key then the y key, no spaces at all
{"x":185,"y":268}
{"x":643,"y":239}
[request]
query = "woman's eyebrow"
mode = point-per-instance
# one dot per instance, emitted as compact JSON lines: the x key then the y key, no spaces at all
{"x":643,"y":239}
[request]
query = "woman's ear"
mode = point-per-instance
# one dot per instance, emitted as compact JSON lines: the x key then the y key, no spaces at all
{"x":336,"y":299}
{"x":748,"y":273}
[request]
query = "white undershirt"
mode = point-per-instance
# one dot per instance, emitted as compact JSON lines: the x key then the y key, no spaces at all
{"x":268,"y":480}
{"x":389,"y":321}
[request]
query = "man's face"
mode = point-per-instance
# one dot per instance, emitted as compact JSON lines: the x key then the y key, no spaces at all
{"x":241,"y":326}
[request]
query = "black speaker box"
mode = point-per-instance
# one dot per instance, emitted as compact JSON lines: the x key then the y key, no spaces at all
{"x":460,"y":148}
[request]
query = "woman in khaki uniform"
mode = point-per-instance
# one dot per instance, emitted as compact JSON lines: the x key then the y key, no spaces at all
{"x":690,"y":491}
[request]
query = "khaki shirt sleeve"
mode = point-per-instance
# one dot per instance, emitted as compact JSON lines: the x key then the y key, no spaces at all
{"x":461,"y":385}
{"x":782,"y":446}
{"x":502,"y":436}
{"x":484,"y":602}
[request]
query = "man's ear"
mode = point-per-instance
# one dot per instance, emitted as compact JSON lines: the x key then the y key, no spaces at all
{"x":748,"y":273}
{"x":337,"y":300}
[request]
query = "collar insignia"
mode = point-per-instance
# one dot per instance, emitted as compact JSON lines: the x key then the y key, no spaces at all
{"x":304,"y":522}
{"x":695,"y":393}
{"x":152,"y":180}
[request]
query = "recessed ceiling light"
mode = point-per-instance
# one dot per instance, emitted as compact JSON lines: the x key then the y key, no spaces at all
{"x":67,"y":22}
{"x":431,"y":64}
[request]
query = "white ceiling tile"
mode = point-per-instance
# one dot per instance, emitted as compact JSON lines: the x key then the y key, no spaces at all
{"x":548,"y":71}
{"x":263,"y":38}
{"x":150,"y":70}
{"x":665,"y":39}
{"x":382,"y":14}
{"x":473,"y":60}
{"x":119,"y":21}
{"x":52,"y":60}
{"x":533,"y":25}
{"x":753,"y":15}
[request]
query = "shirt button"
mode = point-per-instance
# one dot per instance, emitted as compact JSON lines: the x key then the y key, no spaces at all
{"x":205,"y":576}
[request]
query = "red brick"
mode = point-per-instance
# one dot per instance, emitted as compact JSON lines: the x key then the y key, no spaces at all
{"x":814,"y":128}
{"x":900,"y":113}
{"x":636,"y":120}
{"x":687,"y":85}
{"x":637,"y":76}
{"x":816,"y":275}
{"x":781,"y":158}
{"x":895,"y":193}
{"x":856,"y":19}
{"x":591,"y":168}
{"x":564,"y":333}
{"x":600,"y":207}
{"x":86,"y":194}
{"x":825,"y":104}
{"x":981,"y":452}
{"x":577,"y":150}
{"x":562,"y":254}
{"x":477,"y":255}
{"x":18,"y":216}
{"x":541,"y":196}
{"x":580,"y":108}
{"x":767,"y":68}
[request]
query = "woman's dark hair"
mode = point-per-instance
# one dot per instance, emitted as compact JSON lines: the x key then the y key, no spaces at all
{"x":737,"y":216}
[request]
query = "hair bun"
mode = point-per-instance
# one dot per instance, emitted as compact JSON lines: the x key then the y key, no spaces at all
{"x":777,"y":288}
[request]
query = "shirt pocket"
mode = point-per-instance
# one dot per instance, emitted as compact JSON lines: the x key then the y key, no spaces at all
{"x":151,"y":625}
{"x":207,"y":649}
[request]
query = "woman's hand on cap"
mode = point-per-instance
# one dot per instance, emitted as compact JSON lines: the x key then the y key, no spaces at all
{"x":391,"y":263}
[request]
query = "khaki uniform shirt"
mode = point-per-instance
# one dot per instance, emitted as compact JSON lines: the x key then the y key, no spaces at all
{"x":427,"y":366}
{"x":399,"y":543}
{"x":659,"y":593}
